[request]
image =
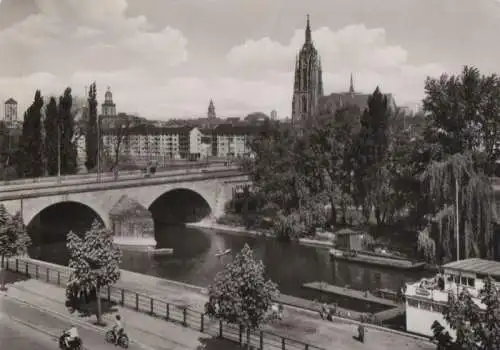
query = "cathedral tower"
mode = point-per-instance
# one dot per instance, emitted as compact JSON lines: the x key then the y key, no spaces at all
{"x":211,"y":111}
{"x":308,"y":84}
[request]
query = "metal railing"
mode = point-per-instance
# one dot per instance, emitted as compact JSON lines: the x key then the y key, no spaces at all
{"x":166,"y":311}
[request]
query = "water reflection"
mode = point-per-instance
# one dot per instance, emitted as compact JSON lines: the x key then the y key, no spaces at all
{"x":290,"y":265}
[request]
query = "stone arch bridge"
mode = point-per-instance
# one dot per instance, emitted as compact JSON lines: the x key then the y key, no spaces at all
{"x":215,"y":188}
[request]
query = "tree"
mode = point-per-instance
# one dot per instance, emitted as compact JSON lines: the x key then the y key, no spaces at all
{"x":120,"y":134}
{"x":330,"y":143}
{"x":475,"y":328}
{"x":240,"y":294}
{"x":95,"y":262}
{"x":274,"y":169}
{"x":30,"y":161}
{"x":14,"y":239}
{"x":52,"y":136}
{"x":91,"y":134}
{"x":462,"y":114}
{"x":371,"y":152}
{"x":67,"y":127}
{"x":462,"y":199}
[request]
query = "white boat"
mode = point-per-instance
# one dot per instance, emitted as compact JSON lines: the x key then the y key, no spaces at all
{"x":225,"y":252}
{"x":162,"y":251}
{"x":427,"y":298}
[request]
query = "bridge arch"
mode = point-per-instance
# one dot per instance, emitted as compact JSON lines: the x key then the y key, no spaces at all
{"x":30,"y":213}
{"x":49,"y":227}
{"x":180,"y":205}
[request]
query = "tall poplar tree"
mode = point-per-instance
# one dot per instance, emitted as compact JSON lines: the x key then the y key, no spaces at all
{"x":51,"y":136}
{"x":30,"y":162}
{"x":91,"y":134}
{"x":67,"y":126}
{"x":371,"y":153}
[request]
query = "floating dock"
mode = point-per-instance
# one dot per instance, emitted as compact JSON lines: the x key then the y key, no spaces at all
{"x":310,"y":305}
{"x":350,"y":293}
{"x":390,"y":314}
{"x":375,"y":260}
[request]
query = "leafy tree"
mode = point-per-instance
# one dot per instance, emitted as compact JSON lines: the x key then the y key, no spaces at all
{"x":443,"y":181}
{"x":52,"y":136}
{"x":91,"y":134}
{"x":274,"y":169}
{"x":95,"y":262}
{"x":67,"y":126}
{"x":120,"y":133}
{"x":462,"y":113}
{"x":475,"y":328}
{"x":14,"y":239}
{"x":240,"y":294}
{"x":30,"y":161}
{"x":330,"y":143}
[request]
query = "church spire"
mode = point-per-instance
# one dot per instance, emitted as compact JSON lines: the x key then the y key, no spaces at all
{"x":308,"y":31}
{"x":351,"y":86}
{"x":211,"y":110}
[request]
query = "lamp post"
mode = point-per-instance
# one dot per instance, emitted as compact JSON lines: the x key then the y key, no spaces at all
{"x":58,"y":152}
{"x":457,"y":220}
{"x":98,"y":148}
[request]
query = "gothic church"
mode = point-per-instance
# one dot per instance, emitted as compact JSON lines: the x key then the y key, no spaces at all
{"x":308,"y":100}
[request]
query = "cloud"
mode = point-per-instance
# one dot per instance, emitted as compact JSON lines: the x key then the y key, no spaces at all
{"x":71,"y":36}
{"x":354,"y":48}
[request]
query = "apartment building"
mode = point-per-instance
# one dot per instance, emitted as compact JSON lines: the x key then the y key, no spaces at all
{"x":150,"y":143}
{"x":232,"y":140}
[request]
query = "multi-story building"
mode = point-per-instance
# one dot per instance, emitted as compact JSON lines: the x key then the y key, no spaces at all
{"x":150,"y":143}
{"x":232,"y":140}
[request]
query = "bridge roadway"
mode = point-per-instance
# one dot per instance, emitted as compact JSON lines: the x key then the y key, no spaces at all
{"x":77,"y":186}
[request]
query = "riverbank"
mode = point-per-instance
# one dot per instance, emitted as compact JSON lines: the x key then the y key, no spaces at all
{"x":242,"y":231}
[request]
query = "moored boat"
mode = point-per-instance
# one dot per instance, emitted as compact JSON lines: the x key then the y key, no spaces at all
{"x":375,"y":259}
{"x":426,"y":299}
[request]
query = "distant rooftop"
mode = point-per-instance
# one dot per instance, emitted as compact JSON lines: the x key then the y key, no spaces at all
{"x":475,"y":265}
{"x":11,"y":101}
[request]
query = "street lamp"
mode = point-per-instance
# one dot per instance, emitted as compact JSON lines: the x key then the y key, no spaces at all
{"x":98,"y":148}
{"x":58,"y":152}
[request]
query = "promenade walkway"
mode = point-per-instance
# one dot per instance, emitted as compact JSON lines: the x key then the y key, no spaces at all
{"x":42,"y":329}
{"x":44,"y":306}
{"x":297,"y":324}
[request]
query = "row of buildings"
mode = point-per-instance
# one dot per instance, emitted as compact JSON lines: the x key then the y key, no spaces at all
{"x":152,"y":143}
{"x":137,"y":140}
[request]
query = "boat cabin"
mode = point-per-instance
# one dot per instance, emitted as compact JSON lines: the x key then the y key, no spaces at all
{"x":347,"y":239}
{"x":470,"y":274}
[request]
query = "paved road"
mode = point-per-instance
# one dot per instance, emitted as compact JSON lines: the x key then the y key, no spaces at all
{"x":27,"y":328}
{"x":11,"y":188}
{"x":20,"y":337}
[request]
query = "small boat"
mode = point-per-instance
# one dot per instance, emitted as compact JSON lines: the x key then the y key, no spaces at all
{"x":225,"y":252}
{"x":162,"y":251}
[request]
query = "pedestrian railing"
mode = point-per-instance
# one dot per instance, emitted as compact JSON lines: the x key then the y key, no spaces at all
{"x":158,"y":308}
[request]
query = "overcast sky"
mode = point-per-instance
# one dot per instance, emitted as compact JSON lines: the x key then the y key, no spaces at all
{"x":166,"y":58}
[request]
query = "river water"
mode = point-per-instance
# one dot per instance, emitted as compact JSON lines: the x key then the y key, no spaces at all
{"x":288,"y":264}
